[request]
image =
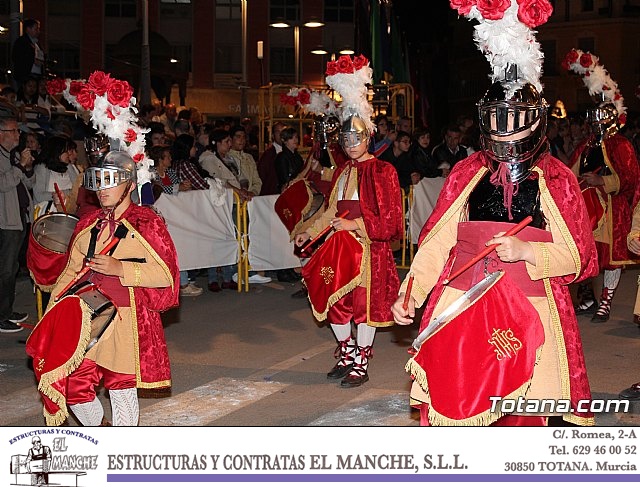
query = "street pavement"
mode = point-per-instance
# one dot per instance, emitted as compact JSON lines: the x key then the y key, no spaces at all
{"x":260,"y":359}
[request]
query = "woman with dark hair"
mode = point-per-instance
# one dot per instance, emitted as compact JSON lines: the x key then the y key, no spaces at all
{"x":185,"y":164}
{"x":288,"y":163}
{"x":167,"y":177}
{"x":54,"y":167}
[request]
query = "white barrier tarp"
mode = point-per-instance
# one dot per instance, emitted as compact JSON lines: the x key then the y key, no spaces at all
{"x":202,"y":227}
{"x":425,"y":195}
{"x":269,"y":245}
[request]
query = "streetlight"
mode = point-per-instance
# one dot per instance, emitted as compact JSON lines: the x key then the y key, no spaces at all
{"x":283,"y":24}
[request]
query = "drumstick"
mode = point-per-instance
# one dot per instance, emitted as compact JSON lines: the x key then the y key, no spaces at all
{"x":323,"y":232}
{"x":407,"y":293}
{"x":512,"y":231}
{"x":121,"y":232}
{"x":60,"y":197}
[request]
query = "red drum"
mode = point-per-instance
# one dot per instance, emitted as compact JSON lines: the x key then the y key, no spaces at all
{"x":48,"y":245}
{"x":298,"y":206}
{"x":333,"y":271}
{"x":488,"y":347}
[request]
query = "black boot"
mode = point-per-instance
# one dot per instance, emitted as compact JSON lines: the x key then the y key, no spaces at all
{"x":585,"y":295}
{"x":345,"y":354}
{"x":604,"y":310}
{"x":358,"y":374}
{"x":301,"y":293}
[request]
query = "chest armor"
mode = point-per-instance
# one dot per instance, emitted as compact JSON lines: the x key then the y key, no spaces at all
{"x":486,"y":203}
{"x":592,"y":160}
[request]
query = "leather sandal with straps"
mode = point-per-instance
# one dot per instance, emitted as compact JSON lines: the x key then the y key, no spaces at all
{"x":345,"y":353}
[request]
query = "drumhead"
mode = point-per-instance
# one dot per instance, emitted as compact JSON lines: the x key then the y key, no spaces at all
{"x":316,"y":203}
{"x":54,"y":231}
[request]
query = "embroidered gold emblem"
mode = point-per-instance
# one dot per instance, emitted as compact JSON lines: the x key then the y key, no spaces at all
{"x":287,"y":213}
{"x":505,"y":343}
{"x":327,"y":274}
{"x":40,"y":365}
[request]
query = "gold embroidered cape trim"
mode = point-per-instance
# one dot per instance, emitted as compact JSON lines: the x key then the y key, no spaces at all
{"x":557,"y":217}
{"x":48,"y":378}
{"x":298,"y":227}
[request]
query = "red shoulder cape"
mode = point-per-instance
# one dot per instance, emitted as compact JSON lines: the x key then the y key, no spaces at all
{"x":381,"y":207}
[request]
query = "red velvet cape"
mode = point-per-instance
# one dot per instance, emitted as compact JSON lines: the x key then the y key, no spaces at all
{"x":623,"y":159}
{"x":563,"y":188}
{"x":381,"y":207}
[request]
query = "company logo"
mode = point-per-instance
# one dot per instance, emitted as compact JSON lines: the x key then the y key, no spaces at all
{"x":49,"y":457}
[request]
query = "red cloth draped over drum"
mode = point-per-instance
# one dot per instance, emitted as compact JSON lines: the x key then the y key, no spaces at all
{"x":57,"y":345}
{"x":333,"y":271}
{"x":293,"y":204}
{"x":565,"y":192}
{"x":489,"y":349}
{"x":621,"y":156}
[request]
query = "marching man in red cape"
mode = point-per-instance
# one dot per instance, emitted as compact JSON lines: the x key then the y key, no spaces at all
{"x":140,"y":277}
{"x":518,"y":338}
{"x":341,"y":287}
{"x":607,"y":168}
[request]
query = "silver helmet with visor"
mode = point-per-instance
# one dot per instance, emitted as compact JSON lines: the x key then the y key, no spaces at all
{"x":354,"y":132}
{"x":513,"y":121}
{"x":603,"y":120}
{"x":116,"y":168}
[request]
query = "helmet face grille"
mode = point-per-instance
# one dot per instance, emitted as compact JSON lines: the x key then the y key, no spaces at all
{"x":352,"y":139}
{"x":513,"y":123}
{"x":97,"y":178}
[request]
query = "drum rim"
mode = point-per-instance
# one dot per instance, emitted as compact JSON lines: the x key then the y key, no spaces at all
{"x":49,"y":215}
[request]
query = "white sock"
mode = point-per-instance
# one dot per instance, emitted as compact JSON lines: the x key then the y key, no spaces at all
{"x":88,"y":413}
{"x":342,"y":332}
{"x":366,"y":334}
{"x":125,"y":409}
{"x":612,"y":278}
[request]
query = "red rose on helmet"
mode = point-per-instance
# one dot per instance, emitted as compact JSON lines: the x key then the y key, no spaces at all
{"x":622,"y":118}
{"x":86,"y":98}
{"x":75,"y":87}
{"x":359,"y":62}
{"x":304,"y":97}
{"x":569,"y":59}
{"x":345,"y":65}
{"x":332,"y":68}
{"x":99,"y":82}
{"x":119,"y":93}
{"x":56,"y":86}
{"x":493,"y":9}
{"x":533,"y":13}
{"x":617,"y":96}
{"x":130,"y":136}
{"x":586,"y":60}
{"x":138,"y":158}
{"x":462,"y":6}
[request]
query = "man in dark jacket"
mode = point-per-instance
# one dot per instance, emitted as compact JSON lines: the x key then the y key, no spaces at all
{"x":27,"y":56}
